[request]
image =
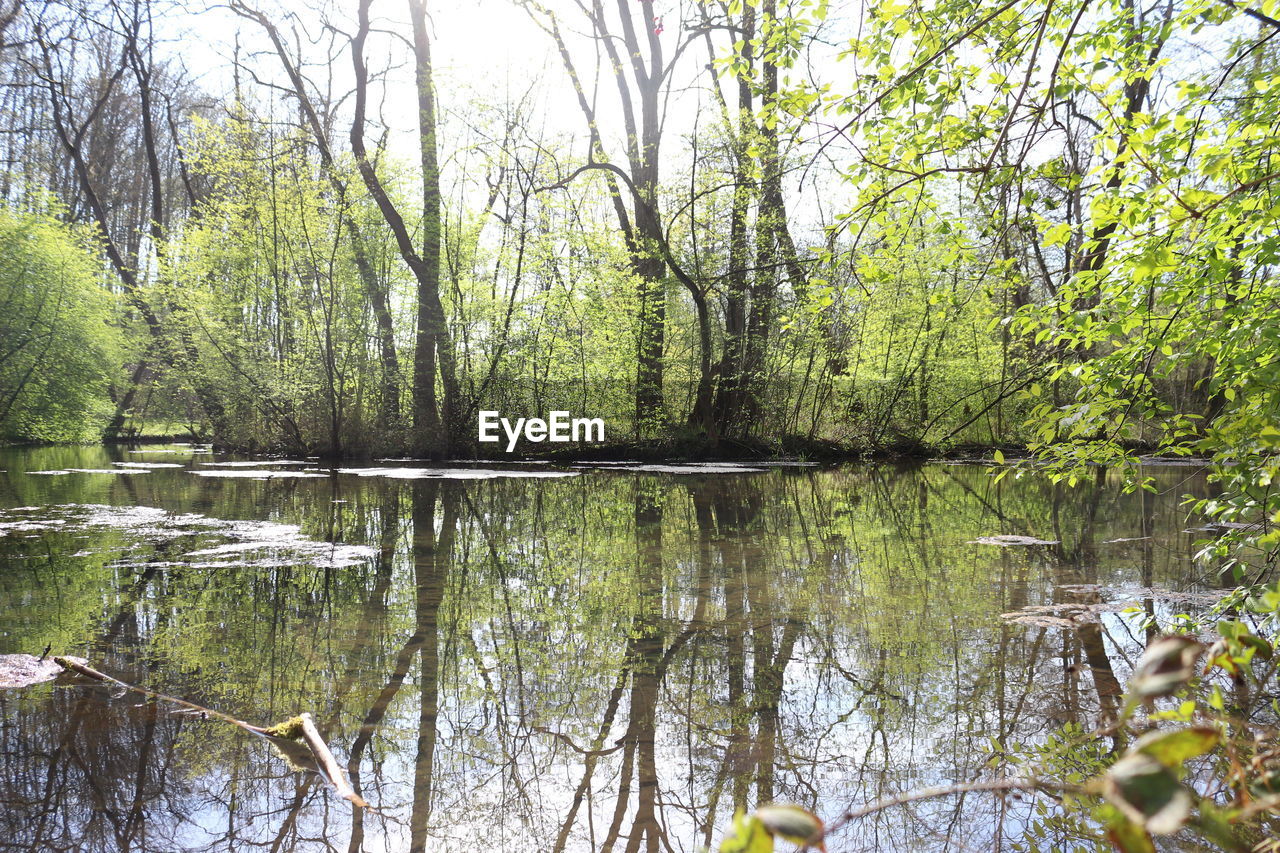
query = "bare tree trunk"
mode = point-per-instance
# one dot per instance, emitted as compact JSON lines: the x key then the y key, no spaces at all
{"x":639,"y":77}
{"x":435,"y":347}
{"x":729,"y":394}
{"x":648,"y":261}
{"x":769,"y":214}
{"x":433,"y":434}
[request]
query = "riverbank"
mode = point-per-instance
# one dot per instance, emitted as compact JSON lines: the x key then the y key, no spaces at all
{"x":671,"y":449}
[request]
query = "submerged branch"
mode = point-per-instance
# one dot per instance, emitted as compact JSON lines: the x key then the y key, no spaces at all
{"x":301,"y":727}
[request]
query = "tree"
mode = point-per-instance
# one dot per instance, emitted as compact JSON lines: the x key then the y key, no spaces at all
{"x":75,"y":116}
{"x":58,"y":344}
{"x":641,"y":74}
{"x":435,"y":422}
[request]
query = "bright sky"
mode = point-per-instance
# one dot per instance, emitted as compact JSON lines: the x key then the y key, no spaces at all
{"x":486,"y":51}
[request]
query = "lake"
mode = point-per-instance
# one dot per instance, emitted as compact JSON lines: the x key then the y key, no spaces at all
{"x":538,"y":657}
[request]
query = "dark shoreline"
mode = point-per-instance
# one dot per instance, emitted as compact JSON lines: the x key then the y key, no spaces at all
{"x":787,"y":448}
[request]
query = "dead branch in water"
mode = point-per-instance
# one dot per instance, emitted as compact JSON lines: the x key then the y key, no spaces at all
{"x":90,"y":672}
{"x":328,"y":764}
{"x":300,"y":727}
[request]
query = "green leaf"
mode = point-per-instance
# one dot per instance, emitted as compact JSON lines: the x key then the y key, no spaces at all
{"x":1147,"y":793}
{"x":1171,"y":748}
{"x":791,"y":823}
{"x":749,"y":835}
{"x":1057,"y":235}
{"x":1260,"y":646}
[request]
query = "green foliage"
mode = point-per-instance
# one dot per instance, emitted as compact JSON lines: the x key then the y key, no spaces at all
{"x":1199,"y":766}
{"x":923,"y":363}
{"x":268,"y":279}
{"x":1120,"y":198}
{"x":755,"y":833}
{"x":58,"y":338}
{"x":1121,"y":193}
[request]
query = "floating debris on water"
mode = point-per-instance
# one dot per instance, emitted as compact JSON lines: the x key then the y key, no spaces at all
{"x":255,"y":463}
{"x":787,"y":463}
{"x":260,"y":474}
{"x":25,"y":670}
{"x":130,"y":470}
{"x":475,"y":461}
{"x":676,"y":468}
{"x":271,"y":536}
{"x":451,"y":473}
{"x":316,"y":757}
{"x":149,"y":464}
{"x":1073,"y":614}
{"x":24,"y":525}
{"x":1008,"y":540}
{"x":258,"y":544}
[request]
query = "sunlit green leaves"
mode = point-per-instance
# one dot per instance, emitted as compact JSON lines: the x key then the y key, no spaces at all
{"x":59,"y":331}
{"x":755,"y":833}
{"x":1172,"y":748}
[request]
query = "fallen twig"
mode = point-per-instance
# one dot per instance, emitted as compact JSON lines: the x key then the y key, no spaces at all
{"x":90,"y":672}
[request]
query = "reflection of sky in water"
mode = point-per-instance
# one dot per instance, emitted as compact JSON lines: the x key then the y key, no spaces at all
{"x":266,"y":597}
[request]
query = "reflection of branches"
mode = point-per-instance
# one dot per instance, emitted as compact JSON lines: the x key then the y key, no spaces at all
{"x":501,"y":567}
{"x":589,"y":765}
{"x":995,"y":786}
{"x":877,"y":689}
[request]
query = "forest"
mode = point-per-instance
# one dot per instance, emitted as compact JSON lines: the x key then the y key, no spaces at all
{"x":898,"y":226}
{"x":1040,"y":234}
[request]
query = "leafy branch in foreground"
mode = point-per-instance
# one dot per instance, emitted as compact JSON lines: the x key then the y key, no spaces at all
{"x":1201,"y":767}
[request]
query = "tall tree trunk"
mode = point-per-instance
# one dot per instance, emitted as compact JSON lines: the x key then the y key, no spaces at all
{"x":434,"y":346}
{"x":729,"y":394}
{"x":433,"y":433}
{"x":648,"y":262}
{"x":643,"y":233}
{"x":764,"y":283}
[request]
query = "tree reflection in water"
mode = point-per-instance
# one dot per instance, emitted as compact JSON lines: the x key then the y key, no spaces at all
{"x":611,"y":662}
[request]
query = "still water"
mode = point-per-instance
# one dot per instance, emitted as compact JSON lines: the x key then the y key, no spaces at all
{"x":545,"y":658}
